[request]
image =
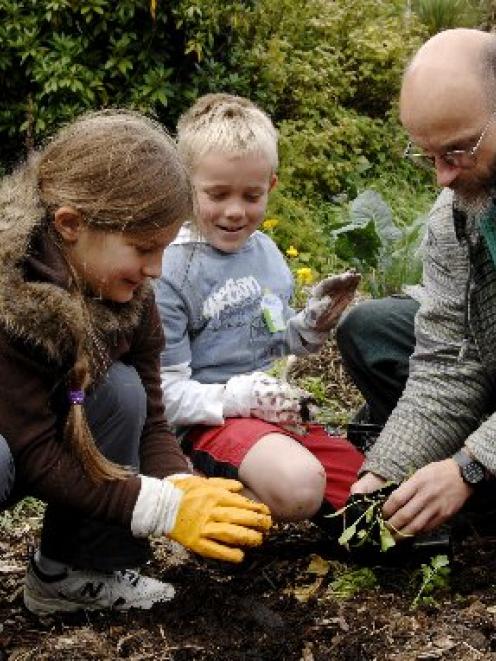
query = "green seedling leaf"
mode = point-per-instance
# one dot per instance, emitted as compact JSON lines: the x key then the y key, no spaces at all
{"x":435,"y":576}
{"x":363,"y":521}
{"x":439,"y":561}
{"x":347,"y":534}
{"x":369,"y":514}
{"x":387,"y":540}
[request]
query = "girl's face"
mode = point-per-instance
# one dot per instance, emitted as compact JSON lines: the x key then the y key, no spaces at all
{"x":114,"y":264}
{"x":232,"y":191}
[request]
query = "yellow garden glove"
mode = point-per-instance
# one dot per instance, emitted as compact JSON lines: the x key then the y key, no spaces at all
{"x":213,"y":520}
{"x":191,"y":481}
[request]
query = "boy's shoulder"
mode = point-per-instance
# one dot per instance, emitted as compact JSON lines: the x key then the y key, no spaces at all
{"x":262,"y":241}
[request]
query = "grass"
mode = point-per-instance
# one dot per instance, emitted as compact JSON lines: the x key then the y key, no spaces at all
{"x":28,"y":511}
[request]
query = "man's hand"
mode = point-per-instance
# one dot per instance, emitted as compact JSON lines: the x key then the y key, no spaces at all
{"x":430,"y":497}
{"x":367,"y":483}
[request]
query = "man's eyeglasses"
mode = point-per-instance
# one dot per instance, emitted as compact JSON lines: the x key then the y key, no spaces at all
{"x":456,"y":158}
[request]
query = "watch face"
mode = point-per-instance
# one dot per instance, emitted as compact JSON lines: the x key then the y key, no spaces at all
{"x":473,"y":472}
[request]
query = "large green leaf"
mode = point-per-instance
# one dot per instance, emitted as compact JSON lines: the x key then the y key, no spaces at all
{"x":358,"y":245}
{"x":369,"y":205}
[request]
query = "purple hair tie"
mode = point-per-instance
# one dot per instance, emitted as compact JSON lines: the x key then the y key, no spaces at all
{"x":76,"y":397}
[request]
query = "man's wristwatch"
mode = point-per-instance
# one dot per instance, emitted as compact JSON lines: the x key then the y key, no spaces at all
{"x":472,"y":471}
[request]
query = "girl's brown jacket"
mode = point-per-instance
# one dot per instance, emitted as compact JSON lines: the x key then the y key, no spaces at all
{"x":39,"y":320}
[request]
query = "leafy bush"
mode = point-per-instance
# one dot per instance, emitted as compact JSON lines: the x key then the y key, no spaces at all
{"x":326,"y":156}
{"x":301,"y":61}
{"x":304,"y":59}
{"x":61,"y":57}
{"x":295,"y":223}
{"x":380,"y":239}
{"x":327,"y":71}
{"x":330,"y":81}
{"x":439,"y":15}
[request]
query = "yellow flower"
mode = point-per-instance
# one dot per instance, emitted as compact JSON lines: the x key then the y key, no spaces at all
{"x":270,"y":223}
{"x":292,"y":252}
{"x":305,"y":275}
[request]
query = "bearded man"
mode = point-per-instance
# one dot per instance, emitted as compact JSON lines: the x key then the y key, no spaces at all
{"x":440,"y":439}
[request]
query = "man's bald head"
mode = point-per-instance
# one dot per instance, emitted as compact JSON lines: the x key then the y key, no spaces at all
{"x":451,"y":77}
{"x":447,"y":106}
{"x":452,"y":49}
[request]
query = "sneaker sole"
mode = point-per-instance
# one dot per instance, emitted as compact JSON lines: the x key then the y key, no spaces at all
{"x":44,"y":606}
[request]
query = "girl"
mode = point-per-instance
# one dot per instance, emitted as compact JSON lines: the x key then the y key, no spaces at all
{"x":83,"y":225}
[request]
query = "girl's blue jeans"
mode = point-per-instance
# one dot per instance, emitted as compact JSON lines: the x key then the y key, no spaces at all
{"x":116,"y":413}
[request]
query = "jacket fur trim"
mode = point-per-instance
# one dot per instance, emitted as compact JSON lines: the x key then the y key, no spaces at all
{"x":36,"y":306}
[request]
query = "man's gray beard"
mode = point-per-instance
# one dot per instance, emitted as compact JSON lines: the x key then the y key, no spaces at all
{"x":474,"y":205}
{"x":477,"y":201}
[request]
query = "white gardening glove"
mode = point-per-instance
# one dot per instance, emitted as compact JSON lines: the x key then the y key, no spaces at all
{"x":325,"y":305}
{"x":262,"y":396}
{"x":329,"y":299}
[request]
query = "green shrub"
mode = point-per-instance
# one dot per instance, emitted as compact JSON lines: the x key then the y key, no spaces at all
{"x":379,"y":238}
{"x":330,"y":80}
{"x":300,"y":61}
{"x":304,"y":59}
{"x":61,"y":57}
{"x":328,"y":72}
{"x":439,"y":15}
{"x":331,"y":155}
{"x":300,"y":225}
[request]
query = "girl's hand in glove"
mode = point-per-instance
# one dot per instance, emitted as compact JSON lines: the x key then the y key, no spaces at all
{"x":213,"y":520}
{"x":206,"y":515}
{"x":262,"y":396}
{"x":328,"y":300}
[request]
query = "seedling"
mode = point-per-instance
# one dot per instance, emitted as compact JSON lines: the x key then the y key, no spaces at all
{"x":363,"y":522}
{"x":435,"y":576}
{"x":349,"y":583}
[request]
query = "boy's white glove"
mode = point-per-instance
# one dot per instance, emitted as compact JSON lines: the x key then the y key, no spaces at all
{"x":262,"y":396}
{"x":325,"y":305}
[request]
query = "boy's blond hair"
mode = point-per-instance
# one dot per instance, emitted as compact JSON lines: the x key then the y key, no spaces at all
{"x":224,"y":122}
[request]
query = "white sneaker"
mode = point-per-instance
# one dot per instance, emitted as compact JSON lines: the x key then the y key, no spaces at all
{"x":76,"y":590}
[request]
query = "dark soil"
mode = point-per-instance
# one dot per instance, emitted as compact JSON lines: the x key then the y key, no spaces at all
{"x":283,"y":602}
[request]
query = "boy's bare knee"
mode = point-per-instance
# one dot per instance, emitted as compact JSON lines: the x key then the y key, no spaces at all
{"x":297,"y":494}
{"x":285,"y":476}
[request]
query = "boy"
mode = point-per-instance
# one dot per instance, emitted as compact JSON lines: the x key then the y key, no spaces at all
{"x":224,"y":302}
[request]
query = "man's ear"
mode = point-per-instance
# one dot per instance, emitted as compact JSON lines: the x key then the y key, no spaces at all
{"x":273,"y":182}
{"x":68,"y":223}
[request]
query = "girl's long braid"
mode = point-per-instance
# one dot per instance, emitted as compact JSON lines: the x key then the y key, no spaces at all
{"x":91,"y":359}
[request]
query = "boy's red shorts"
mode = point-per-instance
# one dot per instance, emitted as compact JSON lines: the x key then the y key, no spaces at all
{"x":218,"y":452}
